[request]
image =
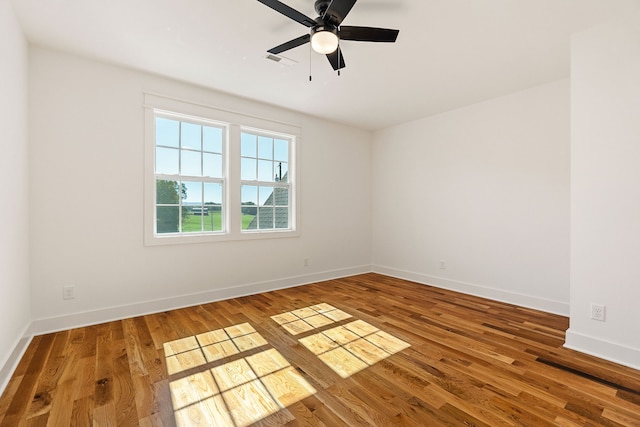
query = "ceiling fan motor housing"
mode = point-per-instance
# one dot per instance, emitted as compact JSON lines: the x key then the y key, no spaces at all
{"x":321,"y":6}
{"x":324,"y":27}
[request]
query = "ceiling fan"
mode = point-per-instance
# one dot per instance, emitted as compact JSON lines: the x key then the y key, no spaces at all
{"x":326,"y":30}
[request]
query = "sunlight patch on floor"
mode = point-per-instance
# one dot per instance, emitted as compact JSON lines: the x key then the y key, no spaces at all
{"x":346,"y":349}
{"x":309,"y":318}
{"x":236,"y":393}
{"x":353,"y":347}
{"x":191,"y":352}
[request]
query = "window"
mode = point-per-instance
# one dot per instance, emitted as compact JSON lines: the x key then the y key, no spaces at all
{"x":264,"y":175}
{"x":189,"y":175}
{"x":213,"y":175}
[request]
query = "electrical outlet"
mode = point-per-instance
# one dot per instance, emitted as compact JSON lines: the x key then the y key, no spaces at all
{"x":68,"y":292}
{"x":305,"y":262}
{"x":443,"y":265}
{"x":598,"y":312}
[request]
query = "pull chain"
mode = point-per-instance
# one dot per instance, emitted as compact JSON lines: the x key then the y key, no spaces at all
{"x":339,"y":56}
{"x":310,"y":57}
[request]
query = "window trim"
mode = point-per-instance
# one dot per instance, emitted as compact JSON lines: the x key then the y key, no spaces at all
{"x":235,"y":123}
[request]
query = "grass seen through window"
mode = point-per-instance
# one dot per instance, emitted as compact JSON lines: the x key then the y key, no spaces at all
{"x":212,"y":221}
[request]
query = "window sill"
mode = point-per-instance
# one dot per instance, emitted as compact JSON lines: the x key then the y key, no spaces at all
{"x":199,"y":238}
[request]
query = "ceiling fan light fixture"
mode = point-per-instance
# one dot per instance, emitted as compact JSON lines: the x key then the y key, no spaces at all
{"x":324,"y":39}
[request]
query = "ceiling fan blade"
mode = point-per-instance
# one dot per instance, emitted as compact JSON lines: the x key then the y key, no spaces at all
{"x":336,"y":59}
{"x":368,"y":34}
{"x":290,"y":44}
{"x":289,"y":12}
{"x":337,"y":11}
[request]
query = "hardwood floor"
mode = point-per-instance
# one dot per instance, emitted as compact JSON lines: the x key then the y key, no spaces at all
{"x":371,"y":351}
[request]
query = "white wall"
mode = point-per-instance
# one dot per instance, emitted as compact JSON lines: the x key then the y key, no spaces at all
{"x":605,"y":190}
{"x":86,"y":124}
{"x":484,"y":188}
{"x":14,"y":209}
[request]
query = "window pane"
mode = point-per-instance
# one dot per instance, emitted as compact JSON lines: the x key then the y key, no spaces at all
{"x":167,"y":219}
{"x":167,"y":132}
{"x":192,"y":207}
{"x":167,"y":192}
{"x":281,"y":172}
{"x":191,"y":219}
{"x":265,"y":218}
{"x":281,"y":197}
{"x":281,"y":150}
{"x":265,"y":147}
{"x":167,"y":161}
{"x":248,"y":169}
{"x":193,"y":192}
{"x":282,"y":218}
{"x":265,"y":170}
{"x":190,"y":163}
{"x":265,"y":196}
{"x":248,"y":145}
{"x":213,"y":193}
{"x":212,"y":139}
{"x":212,"y":165}
{"x":190,"y":136}
{"x":212,"y":218}
{"x":249,"y":218}
{"x":249,"y":197}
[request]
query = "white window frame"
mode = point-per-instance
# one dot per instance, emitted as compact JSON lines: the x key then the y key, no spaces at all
{"x":235,"y":123}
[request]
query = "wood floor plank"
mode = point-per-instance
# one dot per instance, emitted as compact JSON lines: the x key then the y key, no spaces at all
{"x":123,"y":384}
{"x":61,"y":408}
{"x":57,"y":361}
{"x":103,"y":387}
{"x":39,"y":351}
{"x":394,"y":353}
{"x":82,"y":412}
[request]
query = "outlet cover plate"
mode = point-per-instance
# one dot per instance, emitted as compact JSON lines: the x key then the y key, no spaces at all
{"x":598,"y":312}
{"x":68,"y":292}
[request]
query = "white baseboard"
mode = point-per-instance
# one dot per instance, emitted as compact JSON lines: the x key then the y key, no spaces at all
{"x":606,"y":350}
{"x":11,"y":363}
{"x":522,"y":300}
{"x":75,"y":320}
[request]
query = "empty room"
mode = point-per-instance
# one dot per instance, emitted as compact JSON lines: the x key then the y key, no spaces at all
{"x":320,"y":213}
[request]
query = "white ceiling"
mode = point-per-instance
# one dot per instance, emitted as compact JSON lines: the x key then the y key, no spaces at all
{"x":449,"y":53}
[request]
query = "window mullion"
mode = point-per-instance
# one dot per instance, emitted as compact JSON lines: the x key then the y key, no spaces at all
{"x":234,"y":208}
